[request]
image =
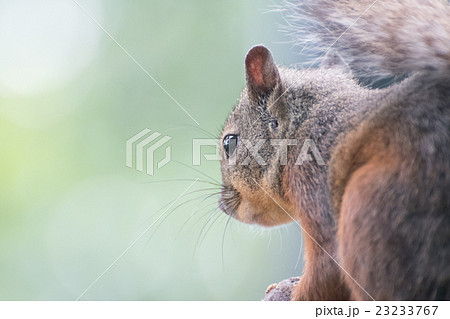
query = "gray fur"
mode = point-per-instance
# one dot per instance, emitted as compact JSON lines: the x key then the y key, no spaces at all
{"x":381,"y":204}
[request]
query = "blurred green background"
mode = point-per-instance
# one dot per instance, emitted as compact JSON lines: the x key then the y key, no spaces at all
{"x":71,"y":98}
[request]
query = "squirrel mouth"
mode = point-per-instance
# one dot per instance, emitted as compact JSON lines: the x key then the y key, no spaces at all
{"x":229,"y":200}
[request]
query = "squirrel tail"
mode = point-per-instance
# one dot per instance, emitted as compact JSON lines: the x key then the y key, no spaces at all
{"x":388,"y":37}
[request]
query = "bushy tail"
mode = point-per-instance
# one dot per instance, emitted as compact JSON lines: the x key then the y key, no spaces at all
{"x":389,"y":37}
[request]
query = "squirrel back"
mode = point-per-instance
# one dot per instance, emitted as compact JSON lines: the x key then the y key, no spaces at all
{"x":366,"y":171}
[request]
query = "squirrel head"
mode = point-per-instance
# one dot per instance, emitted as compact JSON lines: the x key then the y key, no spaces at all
{"x":269,"y":116}
{"x":250,"y":172}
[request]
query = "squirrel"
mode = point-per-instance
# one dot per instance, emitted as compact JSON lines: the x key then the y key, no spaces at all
{"x":375,"y":213}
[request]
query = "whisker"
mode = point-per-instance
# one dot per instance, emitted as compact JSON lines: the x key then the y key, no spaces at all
{"x":223,"y":241}
{"x":181,"y":126}
{"x":281,"y":240}
{"x":193,"y":213}
{"x":198,"y":171}
{"x":185,"y":202}
{"x":215,"y":212}
{"x":197,"y":243}
{"x":178,"y":206}
{"x":198,"y":220}
{"x":270,"y":240}
{"x":170,"y":214}
{"x":183,"y":180}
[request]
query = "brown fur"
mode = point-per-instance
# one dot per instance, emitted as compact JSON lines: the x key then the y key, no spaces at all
{"x":376,"y":215}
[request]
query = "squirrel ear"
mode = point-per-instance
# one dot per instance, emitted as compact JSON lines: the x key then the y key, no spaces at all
{"x":261,"y":71}
{"x":333,"y":59}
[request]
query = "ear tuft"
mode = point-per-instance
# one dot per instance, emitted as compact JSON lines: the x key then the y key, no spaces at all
{"x":262,"y":73}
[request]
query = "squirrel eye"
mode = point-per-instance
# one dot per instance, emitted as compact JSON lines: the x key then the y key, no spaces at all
{"x":229,"y":144}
